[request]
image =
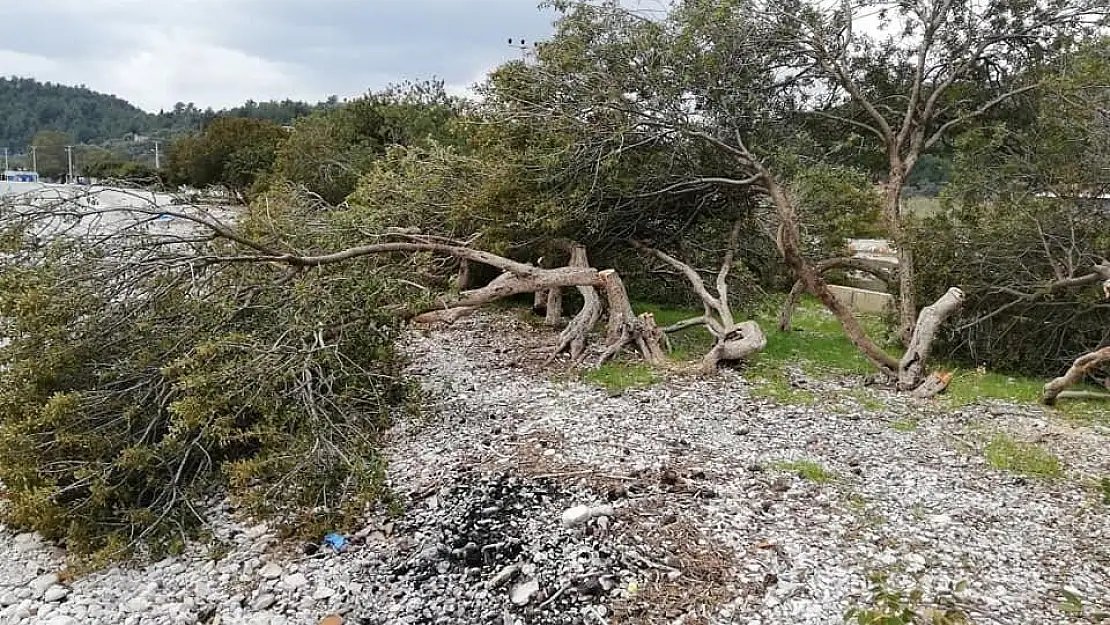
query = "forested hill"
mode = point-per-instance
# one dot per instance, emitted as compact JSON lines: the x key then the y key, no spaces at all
{"x":28,"y":106}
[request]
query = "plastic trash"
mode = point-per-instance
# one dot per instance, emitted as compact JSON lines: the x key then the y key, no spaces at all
{"x":336,"y":541}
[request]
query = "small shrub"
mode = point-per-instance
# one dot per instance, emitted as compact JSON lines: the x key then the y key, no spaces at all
{"x":885,"y":605}
{"x":1006,"y":454}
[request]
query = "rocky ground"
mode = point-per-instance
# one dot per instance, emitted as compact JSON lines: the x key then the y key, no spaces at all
{"x":536,"y":499}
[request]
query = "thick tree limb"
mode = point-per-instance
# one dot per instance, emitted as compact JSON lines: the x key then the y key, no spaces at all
{"x":1075,"y":374}
{"x":573,"y":337}
{"x":911,"y":369}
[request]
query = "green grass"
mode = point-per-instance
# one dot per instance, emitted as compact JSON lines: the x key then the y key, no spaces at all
{"x":1007,"y":454}
{"x":805,"y":469}
{"x":904,"y":425}
{"x":971,"y":386}
{"x":617,"y":377}
{"x":818,"y":346}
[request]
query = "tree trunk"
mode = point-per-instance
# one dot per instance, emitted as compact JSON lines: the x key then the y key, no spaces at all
{"x":738,"y":343}
{"x":907,"y":293}
{"x":573,"y":337}
{"x":539,"y":303}
{"x":620,"y":308}
{"x":876,"y":269}
{"x":466,"y":275}
{"x":1075,"y":374}
{"x":892,"y":213}
{"x":640,"y":331}
{"x":554,"y":312}
{"x":786,"y":317}
{"x":529,"y":280}
{"x":911,"y":369}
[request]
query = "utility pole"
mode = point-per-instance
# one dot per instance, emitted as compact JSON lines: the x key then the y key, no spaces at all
{"x":34,"y":159}
{"x":6,"y":168}
{"x":69,"y":156}
{"x":157,"y":157}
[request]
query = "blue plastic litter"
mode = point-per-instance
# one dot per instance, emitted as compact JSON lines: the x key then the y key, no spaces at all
{"x":336,"y":541}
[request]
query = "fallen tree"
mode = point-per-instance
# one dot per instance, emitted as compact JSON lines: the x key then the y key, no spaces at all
{"x":1085,"y":364}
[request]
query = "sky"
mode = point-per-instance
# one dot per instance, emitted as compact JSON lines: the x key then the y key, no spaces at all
{"x":220,"y":53}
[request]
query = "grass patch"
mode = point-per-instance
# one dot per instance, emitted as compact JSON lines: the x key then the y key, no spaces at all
{"x":816,"y":342}
{"x":1008,"y":454}
{"x":971,"y":386}
{"x":617,"y":377}
{"x":805,"y":469}
{"x":905,"y":425}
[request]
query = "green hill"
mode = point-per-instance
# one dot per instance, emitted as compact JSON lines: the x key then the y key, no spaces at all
{"x":28,"y":107}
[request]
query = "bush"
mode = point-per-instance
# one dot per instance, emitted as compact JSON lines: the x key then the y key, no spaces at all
{"x":135,"y":386}
{"x":1004,"y":254}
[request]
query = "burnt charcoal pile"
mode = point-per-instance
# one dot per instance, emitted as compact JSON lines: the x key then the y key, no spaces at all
{"x":503,"y":549}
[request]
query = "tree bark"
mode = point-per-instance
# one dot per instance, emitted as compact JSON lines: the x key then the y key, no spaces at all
{"x":739,"y":343}
{"x":911,"y":369}
{"x":620,"y":308}
{"x":573,"y":337}
{"x":933,"y":385}
{"x":640,"y":331}
{"x":554,"y":313}
{"x":788,"y":241}
{"x":1074,"y":375}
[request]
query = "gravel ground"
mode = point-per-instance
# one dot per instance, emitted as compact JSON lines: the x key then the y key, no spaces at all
{"x":532,"y":498}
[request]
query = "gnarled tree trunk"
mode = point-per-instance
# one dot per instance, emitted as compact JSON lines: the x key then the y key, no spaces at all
{"x":629,"y":329}
{"x":573,"y":337}
{"x":876,"y":269}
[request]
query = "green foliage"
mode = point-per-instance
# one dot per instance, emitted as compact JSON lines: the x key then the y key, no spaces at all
{"x":839,"y":203}
{"x":891,"y":606}
{"x":130,"y":393}
{"x":805,"y":469}
{"x":328,"y":151}
{"x":232,"y":151}
{"x":28,"y":107}
{"x":1017,"y":224}
{"x":1007,"y":454}
{"x":617,"y":377}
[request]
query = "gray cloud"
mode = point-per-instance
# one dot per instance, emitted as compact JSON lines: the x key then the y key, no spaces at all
{"x":220,"y":52}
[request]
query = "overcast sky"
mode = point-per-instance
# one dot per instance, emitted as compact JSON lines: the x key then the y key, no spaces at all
{"x":220,"y":53}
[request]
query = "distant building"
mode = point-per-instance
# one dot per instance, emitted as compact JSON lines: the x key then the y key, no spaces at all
{"x":21,"y":176}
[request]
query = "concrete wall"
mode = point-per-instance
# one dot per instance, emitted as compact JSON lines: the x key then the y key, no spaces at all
{"x":861,"y":301}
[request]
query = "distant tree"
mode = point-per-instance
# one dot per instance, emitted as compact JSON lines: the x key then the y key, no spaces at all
{"x":50,"y":152}
{"x":232,"y":152}
{"x":328,"y":150}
